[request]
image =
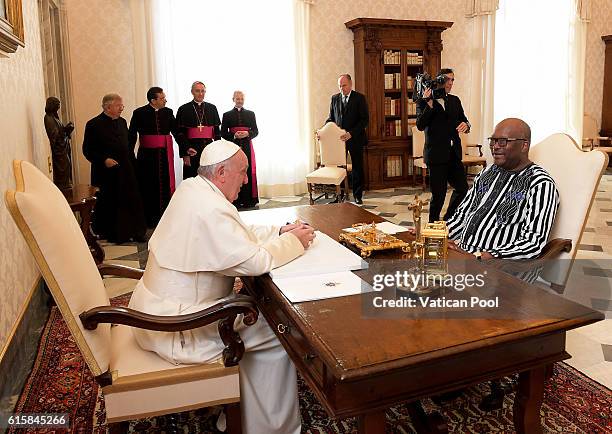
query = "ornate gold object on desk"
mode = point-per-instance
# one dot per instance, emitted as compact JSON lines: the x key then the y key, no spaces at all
{"x":435,"y":248}
{"x":417,"y":207}
{"x":368,"y":239}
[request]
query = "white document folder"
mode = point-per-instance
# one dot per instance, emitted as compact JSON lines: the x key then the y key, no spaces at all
{"x":325,"y":255}
{"x":321,"y":286}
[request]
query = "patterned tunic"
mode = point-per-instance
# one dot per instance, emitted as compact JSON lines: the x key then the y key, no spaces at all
{"x":508,"y":214}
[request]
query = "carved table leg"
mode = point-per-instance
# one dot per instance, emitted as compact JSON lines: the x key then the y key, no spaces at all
{"x":371,"y":423}
{"x":528,"y":400}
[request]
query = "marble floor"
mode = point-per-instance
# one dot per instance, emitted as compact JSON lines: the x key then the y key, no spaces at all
{"x":590,"y":281}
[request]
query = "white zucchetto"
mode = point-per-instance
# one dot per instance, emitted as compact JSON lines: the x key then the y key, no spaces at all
{"x":218,"y":151}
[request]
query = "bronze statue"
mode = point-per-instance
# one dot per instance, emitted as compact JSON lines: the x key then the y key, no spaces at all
{"x":59,"y":139}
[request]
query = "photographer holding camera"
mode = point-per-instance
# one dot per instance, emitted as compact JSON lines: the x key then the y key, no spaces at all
{"x":442,"y":118}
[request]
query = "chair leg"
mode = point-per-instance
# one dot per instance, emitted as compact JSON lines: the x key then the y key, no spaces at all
{"x":338,"y":193}
{"x":346,"y":189}
{"x":232,"y":414}
{"x":423,"y":175}
{"x":310,"y":193}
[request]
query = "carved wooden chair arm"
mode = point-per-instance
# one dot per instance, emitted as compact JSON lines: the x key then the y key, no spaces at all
{"x":551,"y":250}
{"x":225,"y":312}
{"x":120,"y":271}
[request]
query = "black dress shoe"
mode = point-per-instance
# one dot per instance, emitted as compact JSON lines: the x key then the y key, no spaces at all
{"x":358,"y":201}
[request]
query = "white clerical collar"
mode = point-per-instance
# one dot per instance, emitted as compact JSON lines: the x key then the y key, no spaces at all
{"x":238,"y":108}
{"x":156,"y":109}
{"x":198,"y":103}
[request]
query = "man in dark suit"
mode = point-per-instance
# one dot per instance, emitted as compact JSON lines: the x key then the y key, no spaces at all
{"x":442,"y":120}
{"x":349,"y":110}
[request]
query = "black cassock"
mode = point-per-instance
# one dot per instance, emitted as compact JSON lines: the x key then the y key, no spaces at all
{"x":118,"y":212}
{"x":189,"y":118}
{"x":234,"y":120}
{"x":154,"y":164}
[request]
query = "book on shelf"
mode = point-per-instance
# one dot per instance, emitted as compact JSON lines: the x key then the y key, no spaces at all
{"x":393,"y":128}
{"x":393,"y":80}
{"x":414,"y":58}
{"x":392,"y":106}
{"x":394,"y":166}
{"x":391,"y":57}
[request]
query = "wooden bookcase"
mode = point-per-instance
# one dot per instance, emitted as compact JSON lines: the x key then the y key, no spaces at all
{"x":388,"y":56}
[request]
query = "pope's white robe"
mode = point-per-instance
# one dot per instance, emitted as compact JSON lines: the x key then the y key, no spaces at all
{"x":198,"y":247}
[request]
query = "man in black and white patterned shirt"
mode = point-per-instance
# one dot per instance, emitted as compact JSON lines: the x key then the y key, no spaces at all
{"x":511,"y":208}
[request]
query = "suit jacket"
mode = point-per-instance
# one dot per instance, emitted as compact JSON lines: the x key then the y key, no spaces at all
{"x":354,"y":119}
{"x":440,"y":126}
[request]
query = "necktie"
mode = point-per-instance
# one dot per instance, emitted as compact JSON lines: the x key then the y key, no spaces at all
{"x":344,"y":101}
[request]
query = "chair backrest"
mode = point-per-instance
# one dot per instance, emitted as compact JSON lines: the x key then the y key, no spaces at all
{"x":54,"y":237}
{"x":577,"y":175}
{"x":332,"y":149}
{"x":418,"y":142}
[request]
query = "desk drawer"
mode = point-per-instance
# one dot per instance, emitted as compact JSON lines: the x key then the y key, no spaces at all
{"x":297,"y":346}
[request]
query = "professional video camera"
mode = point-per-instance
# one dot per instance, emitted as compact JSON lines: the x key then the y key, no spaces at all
{"x":424,"y":81}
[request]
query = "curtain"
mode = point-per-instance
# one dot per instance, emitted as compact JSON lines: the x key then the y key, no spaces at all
{"x":480,"y":7}
{"x":577,"y":63}
{"x":236,"y":45}
{"x":482,"y":57}
{"x":539,"y":75}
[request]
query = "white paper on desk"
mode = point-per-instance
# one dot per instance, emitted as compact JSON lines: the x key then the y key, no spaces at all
{"x":325,"y":255}
{"x":386,"y":227}
{"x":321,"y":286}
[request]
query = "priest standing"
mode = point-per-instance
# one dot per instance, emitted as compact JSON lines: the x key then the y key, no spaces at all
{"x":197,"y":126}
{"x":155,"y":159}
{"x":118,"y":215}
{"x":198,"y":248}
{"x":239,"y":126}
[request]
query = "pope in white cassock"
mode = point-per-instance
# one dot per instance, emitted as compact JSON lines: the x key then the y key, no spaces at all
{"x":199,"y":246}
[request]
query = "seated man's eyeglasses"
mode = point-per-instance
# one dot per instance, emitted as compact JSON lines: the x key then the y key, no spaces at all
{"x":502,"y":142}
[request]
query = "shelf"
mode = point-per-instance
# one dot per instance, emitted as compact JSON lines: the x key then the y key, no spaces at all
{"x":392,"y":64}
{"x":393,"y":116}
{"x":393,"y":91}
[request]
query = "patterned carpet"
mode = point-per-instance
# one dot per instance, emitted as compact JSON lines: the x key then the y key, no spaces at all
{"x":60,"y":382}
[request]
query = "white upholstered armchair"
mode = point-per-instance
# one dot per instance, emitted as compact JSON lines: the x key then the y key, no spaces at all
{"x":135,"y":383}
{"x":333,"y":171}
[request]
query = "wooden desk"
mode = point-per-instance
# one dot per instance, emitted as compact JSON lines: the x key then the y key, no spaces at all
{"x":81,"y":198}
{"x":359,"y":366}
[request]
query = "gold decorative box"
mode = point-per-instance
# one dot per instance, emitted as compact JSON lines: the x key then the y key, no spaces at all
{"x":369,"y":239}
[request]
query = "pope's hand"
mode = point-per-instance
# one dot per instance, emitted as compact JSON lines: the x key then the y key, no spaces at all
{"x":289,"y":227}
{"x":305,"y":234}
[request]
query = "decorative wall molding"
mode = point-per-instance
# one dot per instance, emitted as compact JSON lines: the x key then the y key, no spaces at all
{"x":11,"y":28}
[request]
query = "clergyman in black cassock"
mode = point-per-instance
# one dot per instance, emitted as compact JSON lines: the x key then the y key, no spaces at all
{"x":197,"y":125}
{"x":239,"y":126}
{"x":155,"y":158}
{"x":118,"y":214}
